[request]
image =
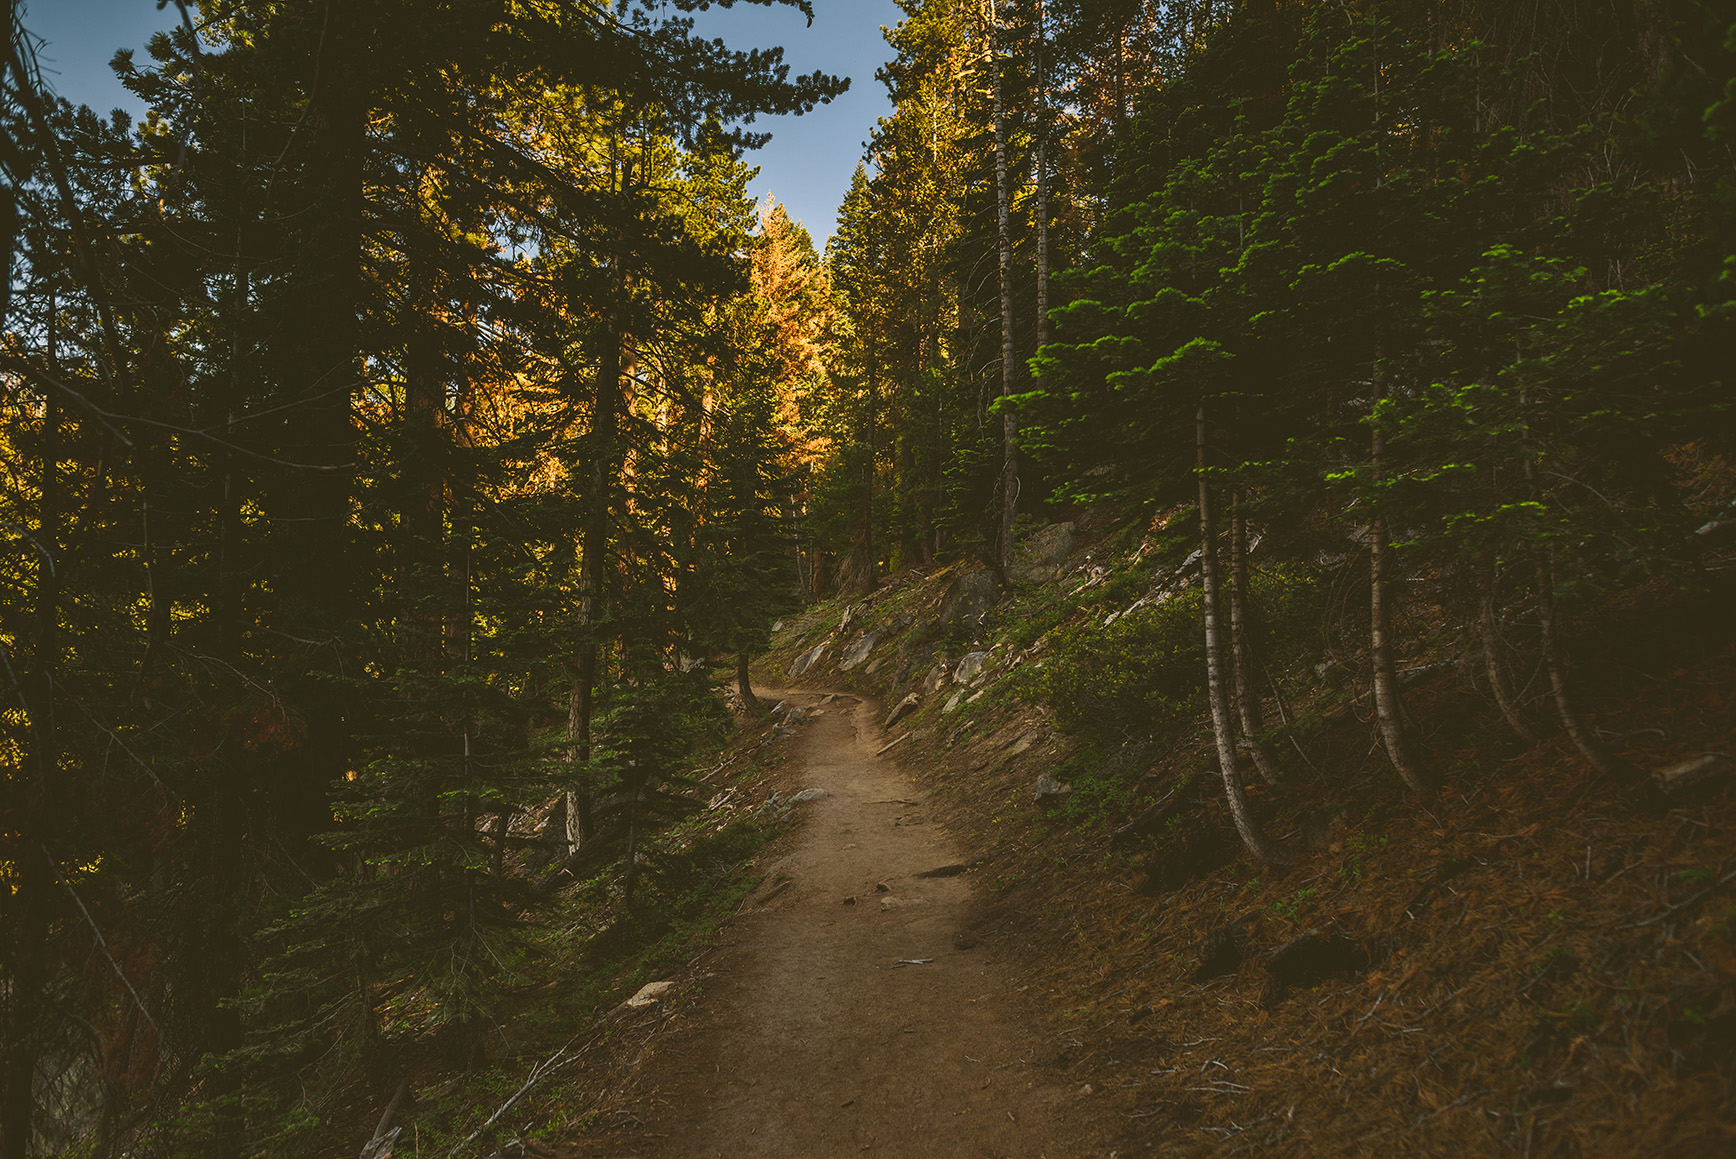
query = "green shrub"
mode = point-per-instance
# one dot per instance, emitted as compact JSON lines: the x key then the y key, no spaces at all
{"x":1142,"y":675}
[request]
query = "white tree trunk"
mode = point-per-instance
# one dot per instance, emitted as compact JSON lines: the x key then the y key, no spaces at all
{"x":1217,"y":692}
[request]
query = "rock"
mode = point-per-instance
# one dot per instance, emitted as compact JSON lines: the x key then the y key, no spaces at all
{"x":777,"y":627}
{"x":1047,"y":548}
{"x":808,"y":659}
{"x":1313,"y":958}
{"x":1022,"y":744}
{"x":1030,"y":575}
{"x":968,"y":600}
{"x":936,"y":677}
{"x":807,"y":795}
{"x":795,"y":716}
{"x":1051,"y":792}
{"x":649,"y":994}
{"x":1098,"y":516}
{"x":1680,"y":778}
{"x":903,"y":709}
{"x":952,"y":704}
{"x":858,"y":651}
{"x":970,"y":668}
{"x":1222,"y":952}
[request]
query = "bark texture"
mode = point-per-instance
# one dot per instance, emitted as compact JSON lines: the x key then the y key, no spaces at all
{"x":1003,"y":234}
{"x":1217,"y":679}
{"x":1388,"y":705}
{"x":1247,"y":698}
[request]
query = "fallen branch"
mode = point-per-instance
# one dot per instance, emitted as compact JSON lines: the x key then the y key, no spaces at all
{"x":557,"y":1061}
{"x":1696,"y":899}
{"x":386,"y":1135}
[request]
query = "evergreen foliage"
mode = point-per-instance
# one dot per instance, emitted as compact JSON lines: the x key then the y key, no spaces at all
{"x":399,"y":421}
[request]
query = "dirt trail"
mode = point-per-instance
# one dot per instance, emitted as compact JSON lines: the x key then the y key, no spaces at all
{"x":810,"y":1041}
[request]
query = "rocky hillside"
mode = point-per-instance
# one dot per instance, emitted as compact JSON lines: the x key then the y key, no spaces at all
{"x":1538,"y":962}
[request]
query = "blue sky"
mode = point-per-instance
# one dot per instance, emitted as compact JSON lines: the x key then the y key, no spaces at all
{"x":807,"y":166}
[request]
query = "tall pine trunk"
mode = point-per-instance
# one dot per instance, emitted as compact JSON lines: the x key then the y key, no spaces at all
{"x":594,"y":549}
{"x":1489,"y":630}
{"x":1217,"y":678}
{"x":1247,"y":699}
{"x":1003,"y":546}
{"x":744,"y":683}
{"x":1388,"y":705}
{"x":873,"y":419}
{"x":1595,"y":752}
{"x":27,"y":905}
{"x":1044,"y":330}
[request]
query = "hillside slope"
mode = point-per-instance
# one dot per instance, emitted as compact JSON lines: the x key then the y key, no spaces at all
{"x":1537,"y":963}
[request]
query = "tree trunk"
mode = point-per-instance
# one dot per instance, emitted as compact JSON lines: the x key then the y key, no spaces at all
{"x":1003,"y":546}
{"x":593,"y":609}
{"x":1247,"y":700}
{"x":1044,"y":330}
{"x":319,"y":354}
{"x":1388,"y":706}
{"x":869,"y":579}
{"x":1489,"y":629}
{"x":1223,"y":726}
{"x":26,"y":906}
{"x":744,"y":684}
{"x":1595,"y":752}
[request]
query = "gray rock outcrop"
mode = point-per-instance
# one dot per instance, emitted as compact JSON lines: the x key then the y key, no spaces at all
{"x":858,"y":651}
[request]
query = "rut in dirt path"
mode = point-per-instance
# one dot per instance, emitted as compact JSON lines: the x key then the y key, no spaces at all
{"x":810,"y":1039}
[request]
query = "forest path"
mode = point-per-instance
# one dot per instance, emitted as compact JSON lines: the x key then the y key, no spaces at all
{"x":811,"y":1041}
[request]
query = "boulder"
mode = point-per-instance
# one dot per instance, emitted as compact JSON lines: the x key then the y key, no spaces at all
{"x":649,"y":994}
{"x":903,"y":709}
{"x":1313,"y":958}
{"x":936,"y":677}
{"x":968,"y":600}
{"x":1222,"y":953}
{"x":807,"y":795}
{"x":1030,"y":575}
{"x":1051,"y":792}
{"x":808,"y":659}
{"x":970,"y":668}
{"x":858,"y":651}
{"x":951,"y":705}
{"x":1049,"y":545}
